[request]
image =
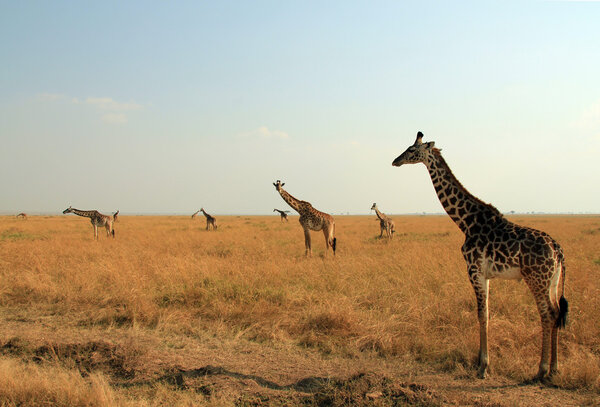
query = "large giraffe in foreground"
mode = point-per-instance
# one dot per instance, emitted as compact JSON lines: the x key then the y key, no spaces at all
{"x":211,"y":221}
{"x":283,"y":214}
{"x":310,"y":219}
{"x":385,"y":223}
{"x":96,"y":218}
{"x":495,"y":247}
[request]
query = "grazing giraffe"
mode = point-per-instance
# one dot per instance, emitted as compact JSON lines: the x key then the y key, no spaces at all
{"x":194,"y":214}
{"x":96,"y":218}
{"x":310,"y":219}
{"x":210,"y":220}
{"x":283,"y":214}
{"x":495,"y":247}
{"x":385,"y":223}
{"x":22,"y":215}
{"x":115,"y":216}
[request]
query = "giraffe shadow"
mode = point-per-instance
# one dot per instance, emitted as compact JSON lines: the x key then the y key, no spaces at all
{"x":178,"y":377}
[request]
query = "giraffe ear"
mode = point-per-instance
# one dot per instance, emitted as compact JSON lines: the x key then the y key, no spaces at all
{"x":430,"y":145}
{"x":283,"y":183}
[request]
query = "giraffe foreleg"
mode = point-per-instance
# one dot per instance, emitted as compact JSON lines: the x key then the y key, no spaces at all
{"x":308,"y":249}
{"x":481,"y":286}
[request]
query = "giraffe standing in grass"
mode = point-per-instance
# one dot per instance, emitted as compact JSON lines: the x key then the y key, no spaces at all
{"x":385,"y":223}
{"x":96,"y":218}
{"x":310,"y":219}
{"x":210,"y":220}
{"x":495,"y":247}
{"x":283,"y":214}
{"x":195,"y":214}
{"x":115,"y":216}
{"x":22,"y":215}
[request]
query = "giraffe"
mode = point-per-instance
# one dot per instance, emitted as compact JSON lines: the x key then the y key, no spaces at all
{"x":115,"y":216}
{"x":210,"y":220}
{"x":194,"y":214}
{"x":310,"y":219}
{"x":22,"y":215}
{"x":96,"y":218}
{"x":495,"y":247}
{"x":283,"y":214}
{"x":385,"y":223}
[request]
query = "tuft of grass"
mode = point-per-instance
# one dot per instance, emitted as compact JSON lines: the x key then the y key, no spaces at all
{"x":28,"y":384}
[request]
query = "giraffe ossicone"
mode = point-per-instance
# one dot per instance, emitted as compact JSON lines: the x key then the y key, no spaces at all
{"x":494,"y":247}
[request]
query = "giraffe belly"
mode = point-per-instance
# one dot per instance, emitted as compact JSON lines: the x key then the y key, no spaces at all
{"x":495,"y":270}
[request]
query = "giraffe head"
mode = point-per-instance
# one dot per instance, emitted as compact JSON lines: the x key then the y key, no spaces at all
{"x":374,"y":206}
{"x":278,"y":185}
{"x":68,"y":210}
{"x":417,"y":153}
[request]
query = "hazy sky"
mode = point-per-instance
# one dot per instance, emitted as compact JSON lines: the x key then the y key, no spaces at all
{"x":164,"y":107}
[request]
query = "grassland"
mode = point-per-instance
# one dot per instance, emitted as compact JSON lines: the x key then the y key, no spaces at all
{"x":170,"y":314}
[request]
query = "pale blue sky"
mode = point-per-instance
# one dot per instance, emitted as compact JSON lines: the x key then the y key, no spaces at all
{"x":164,"y":107}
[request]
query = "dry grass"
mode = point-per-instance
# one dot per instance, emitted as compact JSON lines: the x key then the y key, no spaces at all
{"x":248,"y":284}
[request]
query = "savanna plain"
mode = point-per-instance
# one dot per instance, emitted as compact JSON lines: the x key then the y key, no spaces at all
{"x":168,"y":313}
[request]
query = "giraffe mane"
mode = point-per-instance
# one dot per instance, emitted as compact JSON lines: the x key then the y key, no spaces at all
{"x":444,"y":164}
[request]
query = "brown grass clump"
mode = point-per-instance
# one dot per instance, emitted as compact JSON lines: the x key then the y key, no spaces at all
{"x":248,"y":284}
{"x":27,"y":384}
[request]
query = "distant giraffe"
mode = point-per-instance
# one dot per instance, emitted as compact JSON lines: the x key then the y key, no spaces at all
{"x":210,"y":220}
{"x":283,"y":214}
{"x":496,"y":247}
{"x":310,"y":219}
{"x":195,"y":214}
{"x":385,"y":223}
{"x":96,"y":218}
{"x":22,"y":215}
{"x":116,"y":216}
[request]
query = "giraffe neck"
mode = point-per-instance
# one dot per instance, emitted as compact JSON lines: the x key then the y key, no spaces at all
{"x":291,"y":201}
{"x":87,"y":214}
{"x":380,"y":215}
{"x":206,"y":214}
{"x":463,"y":208}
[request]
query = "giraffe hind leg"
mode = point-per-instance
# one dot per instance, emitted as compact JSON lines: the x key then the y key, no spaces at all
{"x":549,"y":314}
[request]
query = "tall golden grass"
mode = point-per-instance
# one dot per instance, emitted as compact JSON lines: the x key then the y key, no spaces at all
{"x":249,"y":280}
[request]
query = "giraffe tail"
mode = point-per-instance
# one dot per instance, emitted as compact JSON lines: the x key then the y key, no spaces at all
{"x":113,"y":233}
{"x":334,"y":245}
{"x":563,"y":305}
